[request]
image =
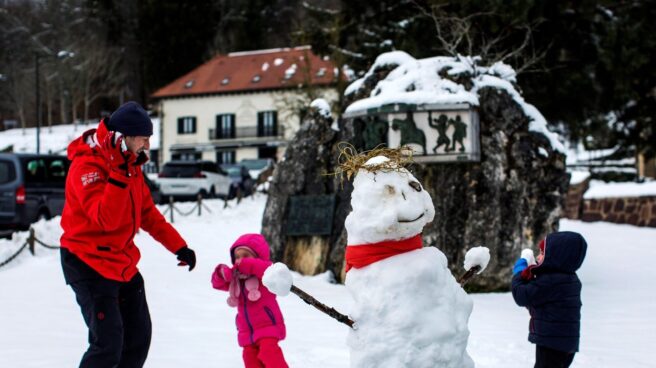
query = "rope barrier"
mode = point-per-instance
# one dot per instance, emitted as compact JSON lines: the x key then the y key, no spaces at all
{"x":29,"y":244}
{"x":46,"y":245}
{"x":15,"y":255}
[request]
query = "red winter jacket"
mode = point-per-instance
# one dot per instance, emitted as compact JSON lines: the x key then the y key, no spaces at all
{"x":105,"y":209}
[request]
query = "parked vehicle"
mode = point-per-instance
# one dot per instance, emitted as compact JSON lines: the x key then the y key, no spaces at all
{"x":260,"y":169}
{"x":187,"y":179}
{"x":154,"y":190}
{"x":31,"y":188}
{"x":241,"y":180}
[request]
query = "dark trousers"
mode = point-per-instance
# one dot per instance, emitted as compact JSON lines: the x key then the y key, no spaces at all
{"x":550,"y":358}
{"x":118,"y":319}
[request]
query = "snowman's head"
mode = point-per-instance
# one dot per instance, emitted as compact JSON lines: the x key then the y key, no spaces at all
{"x":388,"y":204}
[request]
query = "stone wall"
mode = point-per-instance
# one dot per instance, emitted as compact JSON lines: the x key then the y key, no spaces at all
{"x":639,"y":211}
{"x":574,"y":200}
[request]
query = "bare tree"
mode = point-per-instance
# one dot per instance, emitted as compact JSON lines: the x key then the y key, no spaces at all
{"x":460,"y":35}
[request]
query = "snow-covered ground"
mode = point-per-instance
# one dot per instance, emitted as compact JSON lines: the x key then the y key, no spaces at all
{"x":193,"y":326}
{"x":54,"y":139}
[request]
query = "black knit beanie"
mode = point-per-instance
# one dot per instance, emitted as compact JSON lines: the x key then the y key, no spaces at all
{"x":131,"y":120}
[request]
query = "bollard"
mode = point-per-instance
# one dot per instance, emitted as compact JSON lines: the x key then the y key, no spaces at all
{"x":200,"y":203}
{"x":171,"y":208}
{"x":30,"y":241}
{"x":239,"y":194}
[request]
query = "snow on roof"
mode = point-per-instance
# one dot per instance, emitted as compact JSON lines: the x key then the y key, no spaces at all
{"x":418,"y":81}
{"x":578,"y":177}
{"x":251,"y":71}
{"x":599,"y":189}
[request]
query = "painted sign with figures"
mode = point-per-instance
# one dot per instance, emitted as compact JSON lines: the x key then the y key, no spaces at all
{"x":436,"y":133}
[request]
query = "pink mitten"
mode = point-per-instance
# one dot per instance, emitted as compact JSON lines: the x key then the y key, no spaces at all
{"x":252,"y":284}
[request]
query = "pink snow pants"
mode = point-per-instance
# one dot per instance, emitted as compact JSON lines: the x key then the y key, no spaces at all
{"x":265,"y":353}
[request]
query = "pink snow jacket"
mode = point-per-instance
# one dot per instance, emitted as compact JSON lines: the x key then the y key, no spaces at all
{"x":258,"y":313}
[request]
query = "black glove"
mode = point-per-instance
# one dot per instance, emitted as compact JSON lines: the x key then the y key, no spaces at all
{"x":120,"y":159}
{"x":187,"y":257}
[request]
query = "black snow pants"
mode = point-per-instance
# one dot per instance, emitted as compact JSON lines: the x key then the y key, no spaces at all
{"x":550,"y":358}
{"x":116,"y":314}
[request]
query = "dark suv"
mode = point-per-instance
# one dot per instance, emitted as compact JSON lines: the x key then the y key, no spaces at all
{"x":31,"y":187}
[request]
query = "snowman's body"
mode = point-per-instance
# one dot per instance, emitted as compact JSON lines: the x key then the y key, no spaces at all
{"x":409,"y":310}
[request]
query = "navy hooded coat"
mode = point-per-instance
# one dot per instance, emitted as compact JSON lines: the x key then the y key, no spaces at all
{"x":553,"y":294}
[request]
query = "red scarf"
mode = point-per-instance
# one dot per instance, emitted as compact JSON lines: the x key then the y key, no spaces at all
{"x":362,"y":255}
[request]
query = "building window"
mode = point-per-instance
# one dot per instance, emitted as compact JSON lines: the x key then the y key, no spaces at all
{"x":225,"y":157}
{"x":185,"y":156}
{"x":225,"y":126}
{"x":187,"y":125}
{"x":267,"y":123}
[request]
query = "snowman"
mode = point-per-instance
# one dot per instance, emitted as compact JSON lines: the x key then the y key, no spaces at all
{"x":409,"y":310}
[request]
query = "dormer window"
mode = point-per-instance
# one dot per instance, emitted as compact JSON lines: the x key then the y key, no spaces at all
{"x":225,"y":81}
{"x":189,"y":83}
{"x":256,"y":78}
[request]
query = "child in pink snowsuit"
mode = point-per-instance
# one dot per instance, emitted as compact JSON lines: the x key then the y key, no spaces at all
{"x":259,"y":321}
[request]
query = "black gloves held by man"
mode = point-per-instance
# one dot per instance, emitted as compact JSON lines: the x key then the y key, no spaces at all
{"x":113,"y":148}
{"x":187,"y":257}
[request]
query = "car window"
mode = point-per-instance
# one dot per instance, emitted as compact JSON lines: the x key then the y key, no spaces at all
{"x":254,"y":164}
{"x":180,"y":171}
{"x":7,"y":172}
{"x":56,"y":170}
{"x":35,"y":171}
{"x":209,"y":166}
{"x":233,"y":171}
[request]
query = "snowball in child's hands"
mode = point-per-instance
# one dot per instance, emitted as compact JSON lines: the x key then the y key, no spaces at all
{"x":527,"y":254}
{"x":278,"y":279}
{"x":477,"y":256}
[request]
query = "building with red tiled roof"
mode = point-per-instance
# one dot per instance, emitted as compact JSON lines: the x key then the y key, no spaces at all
{"x":241,"y":105}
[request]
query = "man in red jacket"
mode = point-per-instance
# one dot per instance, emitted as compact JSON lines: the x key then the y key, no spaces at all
{"x":107,"y":202}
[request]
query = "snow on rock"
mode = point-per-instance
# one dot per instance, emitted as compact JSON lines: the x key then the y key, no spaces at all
{"x":420,"y":82}
{"x":408,"y":308}
{"x":278,"y":279}
{"x":322,"y":106}
{"x":477,"y":256}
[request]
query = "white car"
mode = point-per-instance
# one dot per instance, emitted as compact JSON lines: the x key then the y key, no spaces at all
{"x":187,"y":179}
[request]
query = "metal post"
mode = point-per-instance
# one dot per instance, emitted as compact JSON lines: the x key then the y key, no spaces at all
{"x":171,"y":208}
{"x":38,"y":103}
{"x":30,"y":241}
{"x":200,"y":203}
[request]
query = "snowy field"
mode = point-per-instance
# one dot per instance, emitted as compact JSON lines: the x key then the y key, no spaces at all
{"x":193,"y":326}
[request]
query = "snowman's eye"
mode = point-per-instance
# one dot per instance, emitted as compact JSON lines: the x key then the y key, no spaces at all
{"x":415,"y":185}
{"x":390,"y":190}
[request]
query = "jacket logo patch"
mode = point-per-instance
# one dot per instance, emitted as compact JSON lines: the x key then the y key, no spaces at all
{"x":90,"y":178}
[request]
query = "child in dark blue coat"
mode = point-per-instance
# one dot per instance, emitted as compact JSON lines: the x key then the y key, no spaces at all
{"x":551,"y":291}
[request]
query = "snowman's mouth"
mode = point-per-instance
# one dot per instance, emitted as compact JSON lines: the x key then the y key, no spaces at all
{"x":408,"y":221}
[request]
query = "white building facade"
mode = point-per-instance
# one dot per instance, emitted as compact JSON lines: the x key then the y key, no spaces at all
{"x":241,"y":105}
